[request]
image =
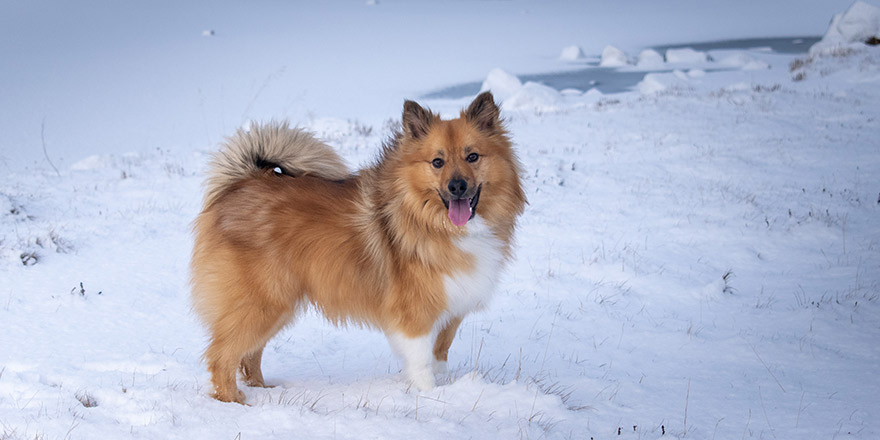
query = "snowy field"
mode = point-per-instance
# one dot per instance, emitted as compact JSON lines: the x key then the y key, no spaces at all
{"x":699,"y":259}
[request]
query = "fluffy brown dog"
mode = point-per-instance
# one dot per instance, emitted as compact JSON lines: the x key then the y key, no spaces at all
{"x":409,"y":245}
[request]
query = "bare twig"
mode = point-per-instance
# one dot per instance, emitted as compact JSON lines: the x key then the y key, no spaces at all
{"x":43,"y":140}
{"x":687,"y":400}
{"x":550,"y":335}
{"x":761,"y":397}
{"x":768,"y":369}
{"x":477,"y":358}
{"x":800,"y":407}
{"x":318,"y":362}
{"x":478,"y":400}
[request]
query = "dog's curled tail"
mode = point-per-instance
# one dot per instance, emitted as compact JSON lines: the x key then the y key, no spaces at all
{"x":271,"y":145}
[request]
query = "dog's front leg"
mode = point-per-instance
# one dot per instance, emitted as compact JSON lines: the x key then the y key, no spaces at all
{"x":417,"y":357}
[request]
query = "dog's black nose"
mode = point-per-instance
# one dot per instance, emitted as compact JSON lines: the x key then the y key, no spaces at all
{"x":457,"y":187}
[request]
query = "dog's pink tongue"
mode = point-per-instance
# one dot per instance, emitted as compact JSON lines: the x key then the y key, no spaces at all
{"x":459,"y":211}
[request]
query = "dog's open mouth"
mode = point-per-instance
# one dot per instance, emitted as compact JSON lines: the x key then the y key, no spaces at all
{"x":463,"y":209}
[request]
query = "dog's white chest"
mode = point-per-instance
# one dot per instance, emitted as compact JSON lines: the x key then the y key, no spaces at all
{"x":472,"y":288}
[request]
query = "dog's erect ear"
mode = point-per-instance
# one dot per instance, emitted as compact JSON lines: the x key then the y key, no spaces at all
{"x":484,"y":113}
{"x":416,"y":120}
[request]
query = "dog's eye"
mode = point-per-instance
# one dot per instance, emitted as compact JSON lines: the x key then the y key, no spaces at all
{"x":438,"y":163}
{"x":473,"y":157}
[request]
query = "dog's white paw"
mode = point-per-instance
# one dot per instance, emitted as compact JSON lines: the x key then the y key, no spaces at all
{"x":441,"y":368}
{"x":422,"y":379}
{"x":416,"y":354}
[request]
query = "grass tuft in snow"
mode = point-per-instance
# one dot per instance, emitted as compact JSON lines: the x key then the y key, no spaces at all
{"x":727,"y":277}
{"x":86,"y":399}
{"x":81,"y":290}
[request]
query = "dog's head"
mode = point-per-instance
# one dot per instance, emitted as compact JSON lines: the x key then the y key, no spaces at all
{"x":462,"y":168}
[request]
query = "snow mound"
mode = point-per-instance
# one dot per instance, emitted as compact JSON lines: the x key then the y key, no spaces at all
{"x":515,"y":95}
{"x":93,"y":162}
{"x":613,"y":57}
{"x":858,"y":24}
{"x":572,"y":53}
{"x":534,"y":96}
{"x":592,"y":94}
{"x":650,"y":59}
{"x":654,"y":83}
{"x":501,"y":84}
{"x":686,"y":55}
{"x":744,"y":62}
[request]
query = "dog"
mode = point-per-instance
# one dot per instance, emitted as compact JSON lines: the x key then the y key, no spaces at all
{"x":408,"y":245}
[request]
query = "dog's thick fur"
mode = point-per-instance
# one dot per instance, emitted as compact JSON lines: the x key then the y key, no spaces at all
{"x":385,"y":247}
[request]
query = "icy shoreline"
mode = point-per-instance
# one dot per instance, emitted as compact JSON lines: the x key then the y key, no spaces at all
{"x":609,"y":80}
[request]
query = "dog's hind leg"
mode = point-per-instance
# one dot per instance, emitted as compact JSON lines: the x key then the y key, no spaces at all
{"x":222,"y":359}
{"x":444,"y":341}
{"x":238,"y":343}
{"x":250,"y":369}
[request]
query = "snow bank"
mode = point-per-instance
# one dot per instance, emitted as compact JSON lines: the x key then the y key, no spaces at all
{"x":658,"y":82}
{"x":641,"y":210}
{"x":613,"y":57}
{"x":572,"y":53}
{"x":93,"y":162}
{"x":743,"y":61}
{"x":857,"y":25}
{"x":592,"y":95}
{"x":534,"y":96}
{"x":514,"y":95}
{"x":650,"y":59}
{"x":686,"y":55}
{"x":501,"y":84}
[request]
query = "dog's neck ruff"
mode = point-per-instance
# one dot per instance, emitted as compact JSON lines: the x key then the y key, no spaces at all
{"x":471,"y":289}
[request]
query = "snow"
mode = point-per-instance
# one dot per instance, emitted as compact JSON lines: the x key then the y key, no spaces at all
{"x":650,"y":59}
{"x":743,"y":61}
{"x":572,"y":53}
{"x":659,"y":82}
{"x":514,"y":95}
{"x":858,"y":24}
{"x":700,"y":256}
{"x":613,"y":57}
{"x":502,"y":84}
{"x":535,"y":97}
{"x":686,"y":56}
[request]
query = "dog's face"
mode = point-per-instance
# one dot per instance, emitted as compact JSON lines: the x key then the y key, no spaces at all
{"x":462,"y":168}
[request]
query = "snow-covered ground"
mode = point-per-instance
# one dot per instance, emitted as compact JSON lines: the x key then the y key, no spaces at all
{"x":700,"y":257}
